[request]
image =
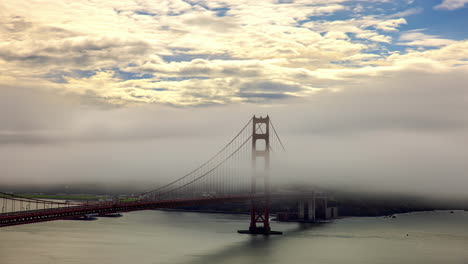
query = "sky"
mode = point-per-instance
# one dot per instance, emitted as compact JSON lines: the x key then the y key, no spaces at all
{"x":366,"y":94}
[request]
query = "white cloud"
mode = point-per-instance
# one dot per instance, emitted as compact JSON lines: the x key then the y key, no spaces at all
{"x":184,"y":53}
{"x":364,"y":28}
{"x":417,"y":38}
{"x":408,"y":12}
{"x":451,"y":4}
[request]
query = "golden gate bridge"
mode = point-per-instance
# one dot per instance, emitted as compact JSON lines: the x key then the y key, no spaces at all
{"x":237,"y":172}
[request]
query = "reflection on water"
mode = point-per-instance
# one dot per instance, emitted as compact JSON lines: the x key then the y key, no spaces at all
{"x":175,"y":237}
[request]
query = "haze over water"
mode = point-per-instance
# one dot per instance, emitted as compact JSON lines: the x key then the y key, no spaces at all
{"x":176,"y":237}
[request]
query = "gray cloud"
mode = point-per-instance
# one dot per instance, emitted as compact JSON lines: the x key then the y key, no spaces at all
{"x":263,"y":96}
{"x":269,"y":86}
{"x":79,"y":53}
{"x":399,"y":133}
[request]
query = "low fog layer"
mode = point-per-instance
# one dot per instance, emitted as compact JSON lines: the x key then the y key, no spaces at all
{"x":402,"y":133}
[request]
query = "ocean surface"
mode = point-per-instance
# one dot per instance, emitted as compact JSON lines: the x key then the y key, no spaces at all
{"x":183,"y":237}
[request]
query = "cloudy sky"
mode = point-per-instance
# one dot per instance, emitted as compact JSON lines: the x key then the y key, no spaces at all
{"x":366,"y":93}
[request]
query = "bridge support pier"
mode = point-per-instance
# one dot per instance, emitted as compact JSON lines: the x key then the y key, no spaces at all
{"x":260,"y":208}
{"x":306,"y":210}
{"x":311,"y":210}
{"x":301,"y":210}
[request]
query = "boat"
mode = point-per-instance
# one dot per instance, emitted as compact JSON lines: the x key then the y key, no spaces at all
{"x":110,"y":215}
{"x":86,"y":217}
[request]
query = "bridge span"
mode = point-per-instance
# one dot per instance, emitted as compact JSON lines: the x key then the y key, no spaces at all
{"x":238,"y":172}
{"x":43,"y":215}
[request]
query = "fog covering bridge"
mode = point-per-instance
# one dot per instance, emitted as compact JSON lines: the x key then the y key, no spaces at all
{"x":237,"y":172}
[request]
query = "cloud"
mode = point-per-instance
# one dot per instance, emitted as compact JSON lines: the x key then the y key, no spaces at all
{"x":363,"y":28}
{"x":451,"y":4}
{"x":139,"y":52}
{"x":417,"y":38}
{"x":100,"y":90}
{"x":408,"y":12}
{"x":202,"y":53}
{"x":391,"y":132}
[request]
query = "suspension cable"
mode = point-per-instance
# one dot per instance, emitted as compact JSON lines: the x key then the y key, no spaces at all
{"x":217,"y":166}
{"x":276,"y":134}
{"x":26,"y":199}
{"x":199,"y":167}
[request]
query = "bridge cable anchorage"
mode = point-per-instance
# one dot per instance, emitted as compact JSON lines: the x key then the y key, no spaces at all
{"x":276,"y":134}
{"x":199,"y":167}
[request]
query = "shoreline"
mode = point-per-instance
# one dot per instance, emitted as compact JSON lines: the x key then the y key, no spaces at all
{"x":449,"y":211}
{"x":201,"y":211}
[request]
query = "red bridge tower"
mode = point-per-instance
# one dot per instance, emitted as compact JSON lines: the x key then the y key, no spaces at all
{"x":260,"y":207}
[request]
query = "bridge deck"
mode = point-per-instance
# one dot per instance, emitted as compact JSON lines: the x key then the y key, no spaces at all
{"x":35,"y":216}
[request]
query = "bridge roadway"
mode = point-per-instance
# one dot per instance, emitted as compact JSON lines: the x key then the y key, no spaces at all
{"x":51,"y":214}
{"x":35,"y":216}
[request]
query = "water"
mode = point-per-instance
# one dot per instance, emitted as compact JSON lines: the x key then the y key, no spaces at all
{"x":178,"y":237}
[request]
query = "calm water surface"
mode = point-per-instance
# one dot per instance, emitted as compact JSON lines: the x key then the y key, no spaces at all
{"x":176,"y":237}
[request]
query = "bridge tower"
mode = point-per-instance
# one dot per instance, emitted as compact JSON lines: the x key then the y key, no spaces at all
{"x":260,"y":185}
